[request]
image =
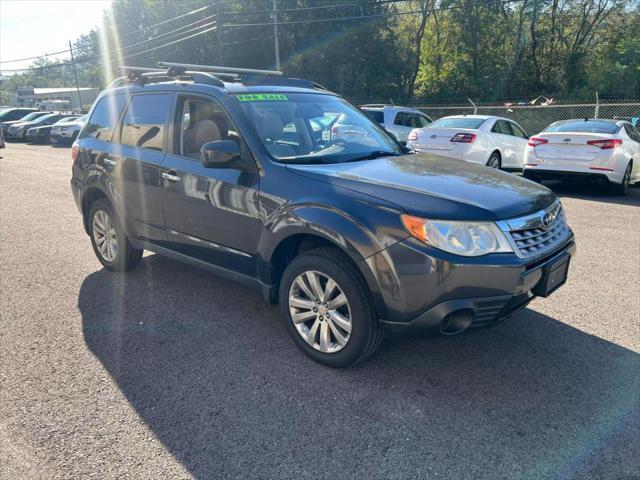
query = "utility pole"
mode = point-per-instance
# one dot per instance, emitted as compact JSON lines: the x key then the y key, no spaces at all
{"x":219,"y":23}
{"x":75,"y":73}
{"x":275,"y":33}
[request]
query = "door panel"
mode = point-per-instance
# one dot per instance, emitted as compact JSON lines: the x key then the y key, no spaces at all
{"x":210,"y":213}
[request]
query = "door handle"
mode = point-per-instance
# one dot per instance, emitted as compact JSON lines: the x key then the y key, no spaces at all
{"x":170,"y":176}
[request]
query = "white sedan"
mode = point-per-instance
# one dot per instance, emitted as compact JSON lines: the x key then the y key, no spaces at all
{"x":486,"y":140}
{"x":606,"y":150}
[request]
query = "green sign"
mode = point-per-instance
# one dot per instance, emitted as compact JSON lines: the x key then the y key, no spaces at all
{"x":262,"y":97}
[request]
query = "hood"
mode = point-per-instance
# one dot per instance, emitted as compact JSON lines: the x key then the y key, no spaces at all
{"x":436,"y":187}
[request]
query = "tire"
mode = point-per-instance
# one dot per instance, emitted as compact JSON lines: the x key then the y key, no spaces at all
{"x":364,"y":335}
{"x":123,"y":256}
{"x":494,"y":161}
{"x":622,"y":188}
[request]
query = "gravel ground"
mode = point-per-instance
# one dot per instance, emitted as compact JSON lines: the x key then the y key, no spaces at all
{"x":169,"y":372}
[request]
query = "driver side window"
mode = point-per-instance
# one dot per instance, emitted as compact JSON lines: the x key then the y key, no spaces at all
{"x":201,"y":121}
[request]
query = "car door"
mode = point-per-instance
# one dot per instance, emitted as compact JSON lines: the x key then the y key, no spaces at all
{"x":634,"y":147}
{"x":211,"y":213}
{"x":508,"y":144}
{"x":136,"y":159}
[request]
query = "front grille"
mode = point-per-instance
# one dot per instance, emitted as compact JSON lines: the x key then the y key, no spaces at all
{"x":530,"y":237}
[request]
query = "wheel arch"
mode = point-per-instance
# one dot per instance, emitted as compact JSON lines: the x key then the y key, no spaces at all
{"x":90,"y":196}
{"x":272,"y":267}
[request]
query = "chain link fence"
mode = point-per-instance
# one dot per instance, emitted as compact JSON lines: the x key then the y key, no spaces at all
{"x":537,"y":116}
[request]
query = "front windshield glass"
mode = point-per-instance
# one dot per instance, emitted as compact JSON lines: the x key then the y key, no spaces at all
{"x":457,"y":122}
{"x":315,"y":128}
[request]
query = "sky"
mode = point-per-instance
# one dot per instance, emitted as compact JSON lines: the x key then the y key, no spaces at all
{"x":34,"y":27}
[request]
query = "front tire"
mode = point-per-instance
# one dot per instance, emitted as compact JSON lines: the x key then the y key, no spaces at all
{"x":109,"y":240}
{"x":327,"y":308}
{"x":622,"y":188}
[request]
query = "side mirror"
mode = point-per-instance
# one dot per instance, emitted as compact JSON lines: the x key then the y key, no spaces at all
{"x":219,"y":154}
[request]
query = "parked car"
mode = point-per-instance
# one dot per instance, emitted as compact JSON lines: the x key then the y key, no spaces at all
{"x":486,"y":140}
{"x":399,"y":121}
{"x":350,"y":238}
{"x":11,"y":114}
{"x":42,"y":133}
{"x":18,"y":131}
{"x":1,"y":139}
{"x":67,"y":131}
{"x":25,"y":118}
{"x":603,"y":150}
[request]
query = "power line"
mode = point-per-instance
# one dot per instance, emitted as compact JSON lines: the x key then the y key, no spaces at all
{"x":192,"y":12}
{"x":34,"y":58}
{"x":376,"y":15}
{"x":85,"y":59}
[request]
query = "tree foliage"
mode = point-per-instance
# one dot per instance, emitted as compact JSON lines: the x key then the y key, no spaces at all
{"x":416,"y":49}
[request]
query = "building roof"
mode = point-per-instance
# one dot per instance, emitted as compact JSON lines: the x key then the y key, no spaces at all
{"x":47,"y":91}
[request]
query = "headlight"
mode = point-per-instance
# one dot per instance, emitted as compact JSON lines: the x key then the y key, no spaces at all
{"x":469,"y":239}
{"x":20,"y":129}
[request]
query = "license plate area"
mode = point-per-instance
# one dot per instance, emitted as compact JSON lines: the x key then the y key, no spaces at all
{"x":553,"y":277}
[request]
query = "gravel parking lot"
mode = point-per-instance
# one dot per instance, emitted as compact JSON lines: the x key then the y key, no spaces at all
{"x":170,"y":372}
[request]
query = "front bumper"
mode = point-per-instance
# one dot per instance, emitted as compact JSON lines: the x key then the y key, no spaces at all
{"x":422,"y":287}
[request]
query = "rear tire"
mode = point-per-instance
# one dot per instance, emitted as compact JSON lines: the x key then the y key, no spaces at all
{"x":109,"y":240}
{"x":622,"y":188}
{"x":359,"y":334}
{"x":494,"y":161}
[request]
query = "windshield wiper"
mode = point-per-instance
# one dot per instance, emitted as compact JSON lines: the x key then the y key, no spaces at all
{"x":374,"y":154}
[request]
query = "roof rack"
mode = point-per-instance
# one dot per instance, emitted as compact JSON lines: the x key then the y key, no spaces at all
{"x":215,"y":69}
{"x":208,"y":75}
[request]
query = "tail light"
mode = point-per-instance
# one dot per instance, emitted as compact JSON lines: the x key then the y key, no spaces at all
{"x":74,"y":152}
{"x":413,"y":136}
{"x":535,"y":141}
{"x":606,"y":144}
{"x":463,"y":138}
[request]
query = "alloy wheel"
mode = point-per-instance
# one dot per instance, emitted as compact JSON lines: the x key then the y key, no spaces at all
{"x":104,"y":234}
{"x":320,"y":311}
{"x":494,"y":162}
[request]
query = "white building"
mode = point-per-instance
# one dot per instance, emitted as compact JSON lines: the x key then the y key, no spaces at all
{"x":33,"y":97}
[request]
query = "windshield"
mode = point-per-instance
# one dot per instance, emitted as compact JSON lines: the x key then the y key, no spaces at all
{"x":589,"y":126}
{"x":457,"y":122}
{"x":315,"y":128}
{"x":46,"y":117}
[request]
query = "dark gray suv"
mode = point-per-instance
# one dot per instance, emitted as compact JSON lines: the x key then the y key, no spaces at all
{"x":281,"y":185}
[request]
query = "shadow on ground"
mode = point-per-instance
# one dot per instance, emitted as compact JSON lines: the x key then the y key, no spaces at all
{"x":211,"y":370}
{"x":593,"y":191}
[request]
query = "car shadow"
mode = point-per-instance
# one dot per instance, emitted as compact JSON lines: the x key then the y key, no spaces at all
{"x":594,"y":192}
{"x":210,"y":369}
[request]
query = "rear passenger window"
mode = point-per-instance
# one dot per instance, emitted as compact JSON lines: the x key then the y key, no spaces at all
{"x":144,"y":124}
{"x":104,"y":117}
{"x":518,"y":132}
{"x":502,"y":127}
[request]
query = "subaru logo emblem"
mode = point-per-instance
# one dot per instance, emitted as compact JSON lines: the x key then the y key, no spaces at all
{"x":548,"y":220}
{"x":433,"y":136}
{"x":566,"y":140}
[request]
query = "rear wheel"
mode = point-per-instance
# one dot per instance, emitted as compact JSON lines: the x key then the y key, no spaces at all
{"x":622,"y":188}
{"x":494,"y":160}
{"x":327,"y":308}
{"x":109,"y":241}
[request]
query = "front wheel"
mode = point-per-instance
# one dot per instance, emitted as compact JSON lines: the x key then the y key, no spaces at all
{"x":327,"y":308}
{"x":109,"y":240}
